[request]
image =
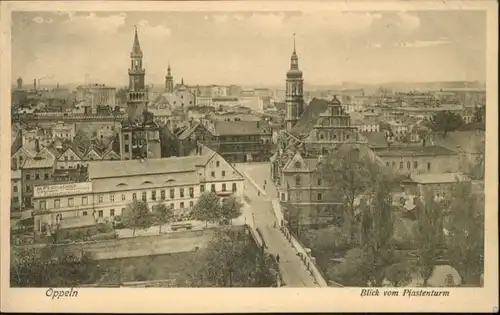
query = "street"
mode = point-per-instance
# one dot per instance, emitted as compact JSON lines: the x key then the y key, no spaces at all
{"x":293,"y":270}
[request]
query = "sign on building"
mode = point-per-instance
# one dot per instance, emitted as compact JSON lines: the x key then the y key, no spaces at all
{"x":62,"y":190}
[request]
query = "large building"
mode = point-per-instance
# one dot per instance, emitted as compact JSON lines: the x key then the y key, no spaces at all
{"x":96,"y":95}
{"x":139,"y":135}
{"x":294,"y":91}
{"x":176,"y":181}
{"x":236,"y":141}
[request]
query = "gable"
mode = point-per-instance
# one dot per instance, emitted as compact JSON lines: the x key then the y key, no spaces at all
{"x":218,"y":169}
{"x":92,"y":154}
{"x":111,"y":155}
{"x":296,"y":164}
{"x":69,"y":153}
{"x":46,"y":153}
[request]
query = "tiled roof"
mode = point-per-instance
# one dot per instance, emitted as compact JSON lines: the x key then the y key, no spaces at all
{"x":461,"y":141}
{"x":239,"y":127}
{"x":310,"y":116}
{"x":438,"y":178}
{"x":188,"y":131}
{"x":105,"y":169}
{"x":16,"y":144}
{"x":375,"y":139}
{"x":413,"y":150}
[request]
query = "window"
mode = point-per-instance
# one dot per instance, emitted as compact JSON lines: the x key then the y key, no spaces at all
{"x":124,"y":197}
{"x":162,"y":194}
{"x":172,"y":205}
{"x":223,"y":187}
{"x":181,"y":192}
{"x":112,"y":197}
{"x":28,"y":177}
{"x":37,"y":176}
{"x":223,"y":173}
{"x":71,"y":202}
{"x":297,"y":164}
{"x":126,"y":148}
{"x":401,"y":165}
{"x":182,"y":205}
{"x":57,"y":203}
{"x":84,"y":213}
{"x":415,"y":164}
{"x":297,"y":195}
{"x":319,"y":181}
{"x":213,"y":174}
{"x":202,"y":188}
{"x":101,"y":197}
{"x":408,"y":165}
{"x":46,"y":176}
{"x":65,"y":158}
{"x":28,"y":188}
{"x":428,"y":166}
{"x":387,"y":164}
{"x":234,"y":187}
{"x":72,"y":158}
{"x":100,"y":213}
{"x":112,"y":212}
{"x":319,"y":196}
{"x":393,"y":164}
{"x":85,"y":200}
{"x":134,"y":196}
{"x":297,"y":180}
{"x":172,"y":194}
{"x":15,"y":188}
{"x":191,"y":204}
{"x":43,"y":205}
{"x":144,"y":196}
{"x":191,"y":192}
{"x":217,"y":164}
{"x":212,"y":187}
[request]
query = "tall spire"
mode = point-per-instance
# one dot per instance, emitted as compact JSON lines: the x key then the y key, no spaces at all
{"x":182,"y":81}
{"x":294,"y":43}
{"x":136,"y":48}
{"x":168,"y":69}
{"x":294,"y":62}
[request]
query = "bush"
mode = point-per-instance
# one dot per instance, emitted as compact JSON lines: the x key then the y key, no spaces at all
{"x":331,"y":239}
{"x":105,"y":236}
{"x":104,"y":227}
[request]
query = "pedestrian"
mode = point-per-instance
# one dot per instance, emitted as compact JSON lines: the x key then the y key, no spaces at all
{"x":278,"y":258}
{"x":265,"y":182}
{"x":274,"y":225}
{"x":264,"y":187}
{"x":258,"y":193}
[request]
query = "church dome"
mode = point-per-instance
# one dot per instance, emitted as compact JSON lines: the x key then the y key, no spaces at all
{"x":294,"y":73}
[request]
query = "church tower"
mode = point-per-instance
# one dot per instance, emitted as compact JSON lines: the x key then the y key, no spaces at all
{"x":169,"y":81}
{"x":294,"y":91}
{"x":139,"y":133}
{"x":137,"y":93}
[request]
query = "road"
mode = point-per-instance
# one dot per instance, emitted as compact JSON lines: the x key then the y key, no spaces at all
{"x":293,"y":270}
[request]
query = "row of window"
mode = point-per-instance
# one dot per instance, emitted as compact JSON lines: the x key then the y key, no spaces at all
{"x":319,"y":196}
{"x":297,"y":178}
{"x":144,"y":196}
{"x":408,"y":165}
{"x":46,"y":176}
{"x":100,"y":213}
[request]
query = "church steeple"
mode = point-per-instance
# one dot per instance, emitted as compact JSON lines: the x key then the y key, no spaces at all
{"x":136,"y":47}
{"x":294,"y":90}
{"x":169,"y":81}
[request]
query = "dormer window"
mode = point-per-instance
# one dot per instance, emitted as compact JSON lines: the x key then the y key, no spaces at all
{"x":297,"y":164}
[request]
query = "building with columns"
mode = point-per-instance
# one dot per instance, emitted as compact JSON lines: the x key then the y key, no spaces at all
{"x":140,"y":135}
{"x":294,"y":91}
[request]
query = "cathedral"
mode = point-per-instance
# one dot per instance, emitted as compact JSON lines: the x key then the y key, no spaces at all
{"x":139,"y":135}
{"x":310,"y":133}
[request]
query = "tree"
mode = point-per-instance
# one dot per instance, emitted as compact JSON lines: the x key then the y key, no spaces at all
{"x":445,"y":121}
{"x":163,"y":214}
{"x":478,"y":118}
{"x":350,"y":173}
{"x":121,"y":95}
{"x":429,"y":233}
{"x":230,"y":209}
{"x":232,"y":260}
{"x":466,"y":237}
{"x":44,"y":267}
{"x":207,"y":208}
{"x":137,"y":215}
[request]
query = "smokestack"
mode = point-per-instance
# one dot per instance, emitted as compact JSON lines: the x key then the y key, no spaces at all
{"x":19,"y":83}
{"x":34,"y":84}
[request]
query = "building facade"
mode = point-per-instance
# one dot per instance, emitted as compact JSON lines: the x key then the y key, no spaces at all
{"x":178,"y":182}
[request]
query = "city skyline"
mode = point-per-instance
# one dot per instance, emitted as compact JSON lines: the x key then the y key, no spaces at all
{"x":251,"y":48}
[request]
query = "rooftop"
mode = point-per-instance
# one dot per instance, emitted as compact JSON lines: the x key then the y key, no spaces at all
{"x":107,"y":169}
{"x":310,"y":116}
{"x":224,"y":128}
{"x":375,"y":139}
{"x":38,"y":163}
{"x":413,"y":150}
{"x":438,"y":178}
{"x":463,"y":141}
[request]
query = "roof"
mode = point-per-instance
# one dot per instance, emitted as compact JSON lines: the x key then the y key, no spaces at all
{"x":437,"y":178}
{"x":310,"y":116}
{"x":462,"y":141}
{"x":188,"y":131}
{"x":16,"y":144}
{"x":375,"y":139}
{"x":39,"y":163}
{"x":413,"y":150}
{"x":107,"y":169}
{"x":239,"y":127}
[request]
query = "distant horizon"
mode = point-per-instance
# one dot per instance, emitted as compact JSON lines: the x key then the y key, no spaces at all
{"x":251,"y":48}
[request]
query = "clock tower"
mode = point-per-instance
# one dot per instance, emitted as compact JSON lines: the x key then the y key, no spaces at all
{"x":137,"y":93}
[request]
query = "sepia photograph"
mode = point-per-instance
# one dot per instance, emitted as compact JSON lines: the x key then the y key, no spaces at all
{"x":238,"y":147}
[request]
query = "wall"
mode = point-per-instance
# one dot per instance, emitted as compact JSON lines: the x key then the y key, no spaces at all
{"x":441,"y":163}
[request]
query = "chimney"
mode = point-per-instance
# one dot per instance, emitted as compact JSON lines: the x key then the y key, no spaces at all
{"x":37,"y":145}
{"x":19,"y":83}
{"x":34,"y":84}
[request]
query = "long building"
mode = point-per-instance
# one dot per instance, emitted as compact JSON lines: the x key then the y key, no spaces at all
{"x":112,"y":185}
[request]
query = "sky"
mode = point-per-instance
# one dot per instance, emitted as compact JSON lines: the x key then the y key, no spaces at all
{"x":251,"y":48}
